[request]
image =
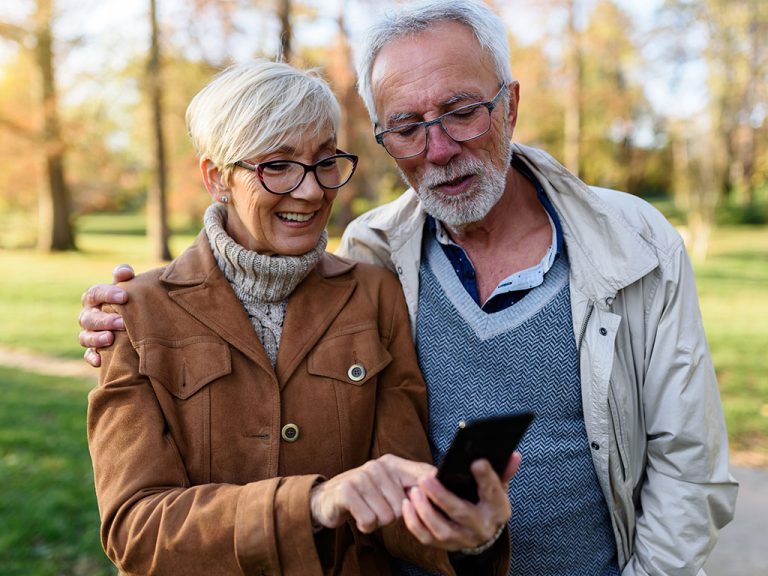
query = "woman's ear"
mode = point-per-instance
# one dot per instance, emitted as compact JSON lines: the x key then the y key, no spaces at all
{"x":214,"y":183}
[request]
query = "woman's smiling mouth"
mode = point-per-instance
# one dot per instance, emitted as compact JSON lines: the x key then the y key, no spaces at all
{"x":295,"y":216}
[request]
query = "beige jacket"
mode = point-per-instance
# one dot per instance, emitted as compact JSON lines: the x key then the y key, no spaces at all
{"x":194,"y":472}
{"x":650,"y":399}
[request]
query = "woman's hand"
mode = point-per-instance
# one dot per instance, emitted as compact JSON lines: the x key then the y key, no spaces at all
{"x":372,"y":494}
{"x":464,"y":525}
{"x":97,"y":325}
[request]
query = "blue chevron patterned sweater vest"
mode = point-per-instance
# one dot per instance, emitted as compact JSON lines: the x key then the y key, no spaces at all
{"x":521,"y":358}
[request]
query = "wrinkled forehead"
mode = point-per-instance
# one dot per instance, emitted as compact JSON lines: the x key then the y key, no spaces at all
{"x":421,"y":71}
{"x":301,"y":141}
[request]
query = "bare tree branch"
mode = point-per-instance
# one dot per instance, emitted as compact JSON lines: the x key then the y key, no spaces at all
{"x":19,"y":130}
{"x":14,"y":32}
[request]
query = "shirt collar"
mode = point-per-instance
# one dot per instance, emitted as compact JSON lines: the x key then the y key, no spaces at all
{"x":530,"y":277}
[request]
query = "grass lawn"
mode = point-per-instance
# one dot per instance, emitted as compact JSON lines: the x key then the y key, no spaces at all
{"x":40,"y":295}
{"x":47,"y":504}
{"x":733,"y":290}
{"x":40,"y":300}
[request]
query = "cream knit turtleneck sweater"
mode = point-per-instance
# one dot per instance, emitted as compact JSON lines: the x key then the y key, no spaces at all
{"x":261,"y":282}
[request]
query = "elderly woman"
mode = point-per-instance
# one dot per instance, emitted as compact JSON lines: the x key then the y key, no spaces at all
{"x":217,"y":452}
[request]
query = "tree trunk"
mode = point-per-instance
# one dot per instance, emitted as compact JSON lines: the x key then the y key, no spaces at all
{"x":681,"y":167}
{"x":572,"y":136}
{"x":746,"y":145}
{"x":286,"y":30}
{"x":55,"y":229}
{"x":343,"y":78}
{"x":157,"y":211}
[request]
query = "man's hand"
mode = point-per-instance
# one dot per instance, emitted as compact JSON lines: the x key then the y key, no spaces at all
{"x":97,"y":325}
{"x":372,"y":494}
{"x":467,"y":525}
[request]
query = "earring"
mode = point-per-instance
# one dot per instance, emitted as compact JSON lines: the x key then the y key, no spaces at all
{"x":224,"y":199}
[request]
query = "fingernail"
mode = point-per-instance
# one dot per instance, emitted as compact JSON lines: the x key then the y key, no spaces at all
{"x":119,"y":324}
{"x":119,"y":296}
{"x":103,"y":339}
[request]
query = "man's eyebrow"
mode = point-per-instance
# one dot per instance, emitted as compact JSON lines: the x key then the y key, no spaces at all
{"x":400,"y":117}
{"x":462,"y":96}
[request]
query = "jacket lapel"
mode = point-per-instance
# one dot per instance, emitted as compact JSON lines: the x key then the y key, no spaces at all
{"x":312,"y":308}
{"x":606,"y":253}
{"x":204,"y":292}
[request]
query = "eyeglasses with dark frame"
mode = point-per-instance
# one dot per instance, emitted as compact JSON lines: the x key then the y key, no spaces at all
{"x":462,"y":124}
{"x":285,"y":176}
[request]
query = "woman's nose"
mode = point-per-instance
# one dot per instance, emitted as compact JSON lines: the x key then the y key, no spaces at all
{"x":309,"y":189}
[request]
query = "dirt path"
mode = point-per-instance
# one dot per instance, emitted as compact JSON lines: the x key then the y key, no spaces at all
{"x":47,"y":365}
{"x":741,"y":549}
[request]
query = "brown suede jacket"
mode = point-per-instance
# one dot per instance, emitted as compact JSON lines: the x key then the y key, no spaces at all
{"x":195,"y":471}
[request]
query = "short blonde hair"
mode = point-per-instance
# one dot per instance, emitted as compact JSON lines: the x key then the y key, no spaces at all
{"x":251,"y":109}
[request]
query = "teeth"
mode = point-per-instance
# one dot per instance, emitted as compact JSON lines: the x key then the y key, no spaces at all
{"x":295,"y":216}
{"x":453,"y":182}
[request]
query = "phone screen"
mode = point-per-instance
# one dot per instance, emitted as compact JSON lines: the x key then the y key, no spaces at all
{"x":491,"y":438}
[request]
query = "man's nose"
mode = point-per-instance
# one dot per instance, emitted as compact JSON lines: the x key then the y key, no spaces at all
{"x":441,"y":148}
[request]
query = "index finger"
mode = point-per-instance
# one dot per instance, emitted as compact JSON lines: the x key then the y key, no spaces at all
{"x":99,"y":294}
{"x":407,"y":472}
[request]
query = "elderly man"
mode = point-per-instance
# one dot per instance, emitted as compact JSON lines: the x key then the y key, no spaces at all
{"x":529,"y":290}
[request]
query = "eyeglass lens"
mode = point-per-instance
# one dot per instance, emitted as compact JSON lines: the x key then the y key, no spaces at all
{"x":461,"y":124}
{"x":284,"y":176}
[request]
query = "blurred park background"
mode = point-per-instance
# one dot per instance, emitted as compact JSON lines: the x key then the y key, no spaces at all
{"x":666,"y":99}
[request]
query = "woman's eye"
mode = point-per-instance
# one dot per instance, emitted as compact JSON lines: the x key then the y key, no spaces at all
{"x":277,"y":167}
{"x":326,"y":164}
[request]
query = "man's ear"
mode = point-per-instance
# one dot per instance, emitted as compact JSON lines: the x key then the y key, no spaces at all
{"x":514,"y":101}
{"x":212,"y":179}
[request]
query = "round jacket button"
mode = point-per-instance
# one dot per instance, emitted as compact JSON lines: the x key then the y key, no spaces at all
{"x":290,"y":433}
{"x":595,"y":446}
{"x":356,"y":372}
{"x":603,"y":331}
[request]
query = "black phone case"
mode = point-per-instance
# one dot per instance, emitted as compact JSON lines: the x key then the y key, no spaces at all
{"x":491,"y":438}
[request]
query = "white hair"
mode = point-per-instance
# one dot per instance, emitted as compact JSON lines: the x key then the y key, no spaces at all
{"x":252,"y":109}
{"x":407,"y":20}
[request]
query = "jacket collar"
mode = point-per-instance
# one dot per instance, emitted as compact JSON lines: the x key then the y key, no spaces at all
{"x":606,"y":253}
{"x":197,"y":263}
{"x":197,"y":285}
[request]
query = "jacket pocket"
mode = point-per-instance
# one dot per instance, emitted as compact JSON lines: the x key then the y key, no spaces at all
{"x":354,"y":356}
{"x":184,"y":366}
{"x":616,"y":428}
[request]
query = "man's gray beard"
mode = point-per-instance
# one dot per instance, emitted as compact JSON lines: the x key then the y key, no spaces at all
{"x":474,"y":204}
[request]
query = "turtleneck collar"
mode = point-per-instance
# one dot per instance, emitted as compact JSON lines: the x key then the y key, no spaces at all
{"x":257,"y":277}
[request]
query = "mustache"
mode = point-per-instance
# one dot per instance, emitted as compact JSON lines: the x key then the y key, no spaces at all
{"x":440,"y":175}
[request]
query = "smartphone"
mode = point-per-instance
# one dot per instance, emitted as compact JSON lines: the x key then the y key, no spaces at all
{"x":491,"y":438}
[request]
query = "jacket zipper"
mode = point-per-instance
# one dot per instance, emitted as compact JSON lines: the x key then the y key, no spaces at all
{"x":583,"y":330}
